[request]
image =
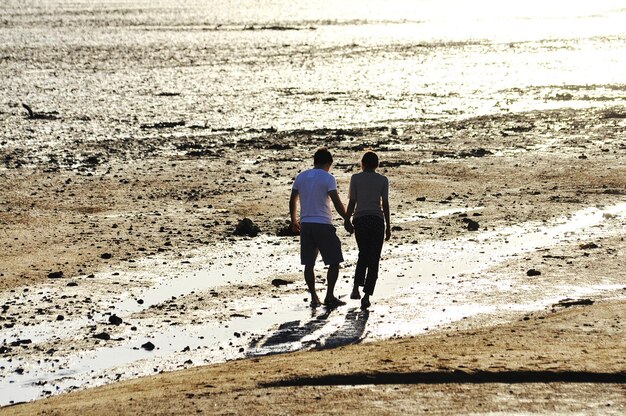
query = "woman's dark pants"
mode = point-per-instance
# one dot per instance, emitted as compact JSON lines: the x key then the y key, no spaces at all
{"x":370,"y":233}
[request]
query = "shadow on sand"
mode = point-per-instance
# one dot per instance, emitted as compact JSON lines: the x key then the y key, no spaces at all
{"x":290,"y":335}
{"x":456,"y":376}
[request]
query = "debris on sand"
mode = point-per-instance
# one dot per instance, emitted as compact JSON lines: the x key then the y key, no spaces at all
{"x":280,"y":282}
{"x":163,"y":125}
{"x":533,"y":272}
{"x":246,"y":227}
{"x":40,"y":116}
{"x":613,"y":114}
{"x":566,"y":303}
{"x":148,"y":346}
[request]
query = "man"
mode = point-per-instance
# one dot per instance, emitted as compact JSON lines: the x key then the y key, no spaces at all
{"x":316,"y":188}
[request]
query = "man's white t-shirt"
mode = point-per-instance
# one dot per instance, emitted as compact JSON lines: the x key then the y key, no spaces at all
{"x":313,"y":186}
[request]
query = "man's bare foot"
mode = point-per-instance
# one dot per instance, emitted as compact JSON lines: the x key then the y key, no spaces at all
{"x":315,"y":302}
{"x":355,"y":293}
{"x":365,"y":302}
{"x":333,"y":302}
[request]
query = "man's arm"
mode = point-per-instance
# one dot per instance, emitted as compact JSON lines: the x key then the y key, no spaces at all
{"x":334,"y":196}
{"x":293,"y":200}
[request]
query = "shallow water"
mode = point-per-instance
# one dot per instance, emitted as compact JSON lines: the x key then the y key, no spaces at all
{"x":423,"y":288}
{"x":306,"y":65}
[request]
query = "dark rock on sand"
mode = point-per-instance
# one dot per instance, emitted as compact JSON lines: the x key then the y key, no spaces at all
{"x":148,"y":346}
{"x":533,"y":272}
{"x":588,"y":246}
{"x":246,"y":227}
{"x":480,"y":152}
{"x":280,"y":282}
{"x":106,"y":256}
{"x":103,"y":336}
{"x":115,"y":320}
{"x":286,"y":231}
{"x":4,"y":350}
{"x":471,"y":224}
{"x":55,"y":275}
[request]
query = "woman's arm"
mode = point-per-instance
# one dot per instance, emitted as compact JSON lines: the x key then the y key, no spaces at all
{"x":387,"y":220}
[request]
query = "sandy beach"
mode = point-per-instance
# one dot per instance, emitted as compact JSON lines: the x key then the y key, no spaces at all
{"x":137,"y":136}
{"x":533,"y":175}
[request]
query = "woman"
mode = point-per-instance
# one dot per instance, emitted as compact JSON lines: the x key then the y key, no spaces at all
{"x":369,"y":201}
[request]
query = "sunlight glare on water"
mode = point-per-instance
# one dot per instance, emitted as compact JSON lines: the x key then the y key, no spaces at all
{"x":298,"y":64}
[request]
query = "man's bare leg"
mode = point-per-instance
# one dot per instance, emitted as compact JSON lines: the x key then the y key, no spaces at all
{"x":331,"y":280}
{"x":309,"y":278}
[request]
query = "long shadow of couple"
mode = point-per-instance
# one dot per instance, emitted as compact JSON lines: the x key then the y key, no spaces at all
{"x":290,"y":335}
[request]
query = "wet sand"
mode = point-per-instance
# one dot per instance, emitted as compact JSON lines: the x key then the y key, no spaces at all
{"x":562,"y":362}
{"x":145,"y":232}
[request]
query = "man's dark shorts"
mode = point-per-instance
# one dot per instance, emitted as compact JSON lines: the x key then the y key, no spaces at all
{"x":320,"y":238}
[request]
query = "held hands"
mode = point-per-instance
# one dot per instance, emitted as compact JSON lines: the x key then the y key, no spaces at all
{"x":295,"y":227}
{"x":348,"y":226}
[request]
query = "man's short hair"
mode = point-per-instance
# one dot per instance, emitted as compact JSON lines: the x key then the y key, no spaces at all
{"x":370,"y":160}
{"x":322,"y":157}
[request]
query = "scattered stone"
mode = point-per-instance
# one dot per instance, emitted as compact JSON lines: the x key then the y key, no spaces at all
{"x":148,"y":346}
{"x":566,"y":303}
{"x":55,"y":275}
{"x":533,"y":272}
{"x":72,"y":284}
{"x":246,"y":227}
{"x":106,"y":256}
{"x":4,"y":350}
{"x":103,"y":336}
{"x":21,"y":342}
{"x":471,"y":224}
{"x":280,"y":282}
{"x":115,"y":320}
{"x":60,"y":317}
{"x":163,"y":125}
{"x":588,"y":246}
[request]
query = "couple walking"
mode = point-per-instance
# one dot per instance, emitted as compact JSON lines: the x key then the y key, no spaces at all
{"x":316,"y":189}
